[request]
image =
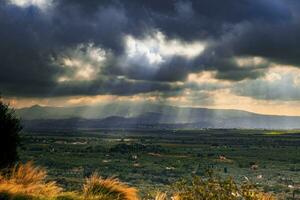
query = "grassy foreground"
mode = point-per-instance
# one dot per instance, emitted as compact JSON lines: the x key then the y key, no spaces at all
{"x":27,"y":182}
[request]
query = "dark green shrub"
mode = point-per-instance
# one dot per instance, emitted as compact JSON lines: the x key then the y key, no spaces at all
{"x":9,"y":135}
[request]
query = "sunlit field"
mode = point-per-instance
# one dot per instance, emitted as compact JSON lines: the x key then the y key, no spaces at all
{"x":154,"y":160}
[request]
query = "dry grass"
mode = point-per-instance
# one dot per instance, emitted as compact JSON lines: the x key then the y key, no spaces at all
{"x":265,"y":196}
{"x":161,"y":196}
{"x":28,"y":180}
{"x":250,"y":192}
{"x":96,"y":187}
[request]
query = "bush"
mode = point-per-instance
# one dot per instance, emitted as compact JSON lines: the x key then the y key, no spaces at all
{"x":214,"y":187}
{"x":9,"y":136}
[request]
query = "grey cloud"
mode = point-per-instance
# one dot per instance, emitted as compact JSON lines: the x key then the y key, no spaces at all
{"x":184,"y":9}
{"x":175,"y":69}
{"x":31,"y":41}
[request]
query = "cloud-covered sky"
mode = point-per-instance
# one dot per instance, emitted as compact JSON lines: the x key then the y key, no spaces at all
{"x":222,"y":54}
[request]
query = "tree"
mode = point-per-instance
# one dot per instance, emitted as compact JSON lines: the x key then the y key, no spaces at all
{"x":9,"y":135}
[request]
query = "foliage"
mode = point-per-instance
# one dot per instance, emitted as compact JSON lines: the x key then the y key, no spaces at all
{"x":214,"y":187}
{"x":9,"y":135}
{"x":96,"y":187}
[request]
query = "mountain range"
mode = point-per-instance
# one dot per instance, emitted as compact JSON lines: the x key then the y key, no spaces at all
{"x":148,"y":116}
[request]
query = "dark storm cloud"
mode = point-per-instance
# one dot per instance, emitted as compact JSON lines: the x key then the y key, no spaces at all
{"x":112,"y":86}
{"x":25,"y":48}
{"x":192,"y":19}
{"x":277,"y":42}
{"x":212,"y":18}
{"x":32,"y":40}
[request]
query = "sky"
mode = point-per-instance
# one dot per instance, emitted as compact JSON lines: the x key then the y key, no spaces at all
{"x":233,"y":54}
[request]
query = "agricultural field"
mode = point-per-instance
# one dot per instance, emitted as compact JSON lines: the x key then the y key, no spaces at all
{"x":153,"y":160}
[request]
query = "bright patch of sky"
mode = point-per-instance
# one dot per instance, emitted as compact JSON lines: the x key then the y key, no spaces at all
{"x":82,"y":63}
{"x":156,"y":49}
{"x":42,"y":4}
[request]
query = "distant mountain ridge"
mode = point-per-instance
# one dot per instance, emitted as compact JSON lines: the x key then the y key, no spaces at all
{"x":149,"y":116}
{"x":124,"y":110}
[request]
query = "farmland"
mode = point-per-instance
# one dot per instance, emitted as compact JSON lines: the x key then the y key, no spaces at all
{"x":153,"y":160}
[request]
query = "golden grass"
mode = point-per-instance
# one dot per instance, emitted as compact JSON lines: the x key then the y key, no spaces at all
{"x":96,"y":187}
{"x":161,"y":196}
{"x":28,"y":180}
{"x":265,"y":196}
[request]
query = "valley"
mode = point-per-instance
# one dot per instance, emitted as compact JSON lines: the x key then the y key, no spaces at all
{"x":153,"y":160}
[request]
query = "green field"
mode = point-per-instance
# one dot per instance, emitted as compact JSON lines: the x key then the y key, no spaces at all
{"x":154,"y":159}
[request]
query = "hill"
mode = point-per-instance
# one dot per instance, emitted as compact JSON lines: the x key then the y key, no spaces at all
{"x":149,"y":116}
